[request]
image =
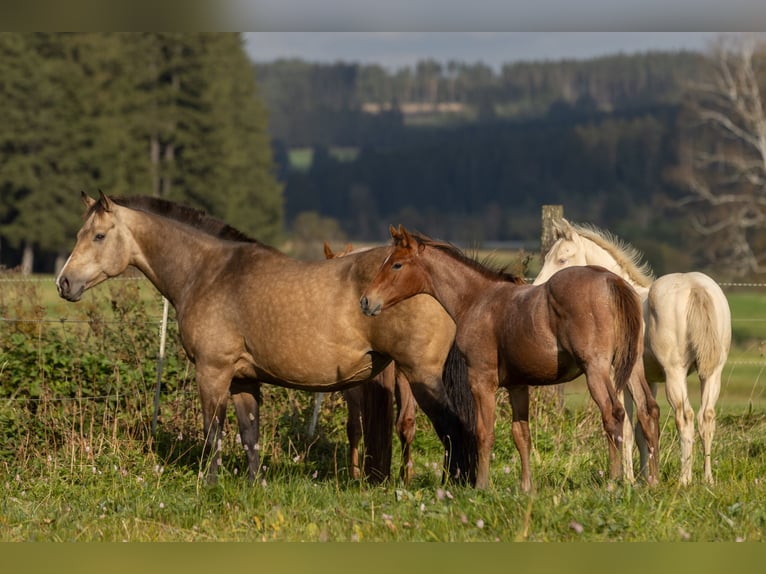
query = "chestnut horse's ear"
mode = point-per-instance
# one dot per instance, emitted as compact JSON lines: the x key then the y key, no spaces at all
{"x":87,"y":200}
{"x":328,"y":254}
{"x":105,"y":202}
{"x":395,"y":234}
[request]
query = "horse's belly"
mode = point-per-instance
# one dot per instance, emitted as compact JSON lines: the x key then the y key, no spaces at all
{"x":315,"y":367}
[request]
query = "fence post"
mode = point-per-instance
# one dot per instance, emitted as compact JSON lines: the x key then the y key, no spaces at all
{"x":160,"y":360}
{"x":551,"y":213}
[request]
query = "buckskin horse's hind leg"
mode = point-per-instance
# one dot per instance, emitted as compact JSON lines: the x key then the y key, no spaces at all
{"x":246,"y":396}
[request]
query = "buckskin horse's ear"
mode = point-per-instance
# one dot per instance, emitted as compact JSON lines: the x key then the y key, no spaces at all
{"x":87,"y":200}
{"x":105,"y":202}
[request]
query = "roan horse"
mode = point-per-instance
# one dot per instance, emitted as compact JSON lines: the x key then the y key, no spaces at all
{"x":688,"y":327}
{"x":369,"y":408}
{"x":248,"y":313}
{"x":584,"y":320}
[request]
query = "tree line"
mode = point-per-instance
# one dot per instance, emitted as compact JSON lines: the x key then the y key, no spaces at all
{"x":598,"y":136}
{"x":175,"y":115}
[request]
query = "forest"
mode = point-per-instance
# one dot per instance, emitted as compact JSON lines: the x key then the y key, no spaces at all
{"x":295,"y":152}
{"x":470,"y":154}
{"x":175,"y":115}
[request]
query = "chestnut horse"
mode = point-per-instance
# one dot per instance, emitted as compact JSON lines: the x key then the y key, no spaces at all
{"x":584,"y":320}
{"x":249,"y":314}
{"x":688,"y":328}
{"x":370,"y":407}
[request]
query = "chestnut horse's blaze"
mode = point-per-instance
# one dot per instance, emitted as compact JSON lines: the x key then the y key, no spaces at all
{"x":584,"y":320}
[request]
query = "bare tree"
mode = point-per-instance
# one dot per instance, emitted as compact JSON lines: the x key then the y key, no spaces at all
{"x":723,"y":155}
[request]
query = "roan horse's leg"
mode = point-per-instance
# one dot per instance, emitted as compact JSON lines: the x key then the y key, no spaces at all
{"x":519,"y":395}
{"x":246,"y":395}
{"x":612,"y":413}
{"x":483,"y":387}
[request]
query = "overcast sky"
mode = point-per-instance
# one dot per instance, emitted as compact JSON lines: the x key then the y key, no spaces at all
{"x":396,"y":49}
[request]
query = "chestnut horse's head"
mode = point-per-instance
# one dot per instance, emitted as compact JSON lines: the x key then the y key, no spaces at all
{"x":400,"y":276}
{"x":102,"y":249}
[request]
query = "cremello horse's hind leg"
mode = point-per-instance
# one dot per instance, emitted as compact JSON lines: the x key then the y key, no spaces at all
{"x":678,"y":397}
{"x":706,"y":416}
{"x":628,"y":439}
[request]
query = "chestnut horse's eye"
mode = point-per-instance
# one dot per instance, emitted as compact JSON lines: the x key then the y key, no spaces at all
{"x":396,"y":266}
{"x":99,"y":237}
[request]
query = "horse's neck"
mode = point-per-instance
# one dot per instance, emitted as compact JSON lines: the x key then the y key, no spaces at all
{"x":597,"y":255}
{"x":174,"y":256}
{"x":455,"y":285}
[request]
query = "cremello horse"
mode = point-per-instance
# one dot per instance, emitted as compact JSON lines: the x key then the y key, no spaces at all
{"x":688,"y":327}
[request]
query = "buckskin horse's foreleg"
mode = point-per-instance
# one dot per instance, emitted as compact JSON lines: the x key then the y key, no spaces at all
{"x":246,"y":395}
{"x":213,"y":386}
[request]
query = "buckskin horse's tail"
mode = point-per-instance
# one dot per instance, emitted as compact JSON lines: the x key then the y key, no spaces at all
{"x":630,"y":325}
{"x":455,"y":376}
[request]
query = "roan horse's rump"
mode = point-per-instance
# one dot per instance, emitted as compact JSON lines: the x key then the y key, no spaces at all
{"x":249,"y":314}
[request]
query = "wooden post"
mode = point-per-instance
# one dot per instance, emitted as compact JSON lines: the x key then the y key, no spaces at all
{"x":160,"y":361}
{"x":550,"y":214}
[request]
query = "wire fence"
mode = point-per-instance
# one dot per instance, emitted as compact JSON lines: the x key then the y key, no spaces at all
{"x":160,"y":322}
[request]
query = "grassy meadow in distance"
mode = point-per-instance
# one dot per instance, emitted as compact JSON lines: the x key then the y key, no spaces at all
{"x":78,"y":461}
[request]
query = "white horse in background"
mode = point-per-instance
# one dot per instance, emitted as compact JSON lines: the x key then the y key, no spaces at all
{"x":688,"y":327}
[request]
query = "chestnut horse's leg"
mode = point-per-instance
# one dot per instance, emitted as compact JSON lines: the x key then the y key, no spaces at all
{"x":405,"y":424}
{"x":246,"y":396}
{"x":519,"y":395}
{"x":213,"y":385}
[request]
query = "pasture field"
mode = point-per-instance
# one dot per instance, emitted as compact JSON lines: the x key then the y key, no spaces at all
{"x":78,"y":462}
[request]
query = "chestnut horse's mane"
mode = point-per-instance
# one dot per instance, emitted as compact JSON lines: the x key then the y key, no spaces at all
{"x":197,"y":218}
{"x":456,"y":253}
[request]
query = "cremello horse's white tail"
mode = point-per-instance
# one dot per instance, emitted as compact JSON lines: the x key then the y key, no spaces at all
{"x":705,"y":340}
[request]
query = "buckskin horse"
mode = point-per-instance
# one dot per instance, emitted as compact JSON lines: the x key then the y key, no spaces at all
{"x":249,"y":314}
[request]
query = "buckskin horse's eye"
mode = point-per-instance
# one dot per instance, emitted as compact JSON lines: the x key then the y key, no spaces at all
{"x":99,"y":237}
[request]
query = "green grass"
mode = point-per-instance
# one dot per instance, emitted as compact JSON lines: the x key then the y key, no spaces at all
{"x":78,"y":462}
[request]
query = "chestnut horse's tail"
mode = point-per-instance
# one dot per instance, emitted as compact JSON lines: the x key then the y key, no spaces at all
{"x":377,"y":425}
{"x":455,"y":376}
{"x":630,"y":329}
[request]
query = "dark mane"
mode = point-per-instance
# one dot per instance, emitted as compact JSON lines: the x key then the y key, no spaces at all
{"x":191,"y":216}
{"x":452,"y":251}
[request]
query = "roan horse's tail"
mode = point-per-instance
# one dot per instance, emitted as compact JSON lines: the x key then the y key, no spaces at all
{"x":455,"y":376}
{"x":705,"y":341}
{"x":630,"y":324}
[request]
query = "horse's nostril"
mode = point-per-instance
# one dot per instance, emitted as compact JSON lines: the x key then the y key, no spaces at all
{"x":363,"y":302}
